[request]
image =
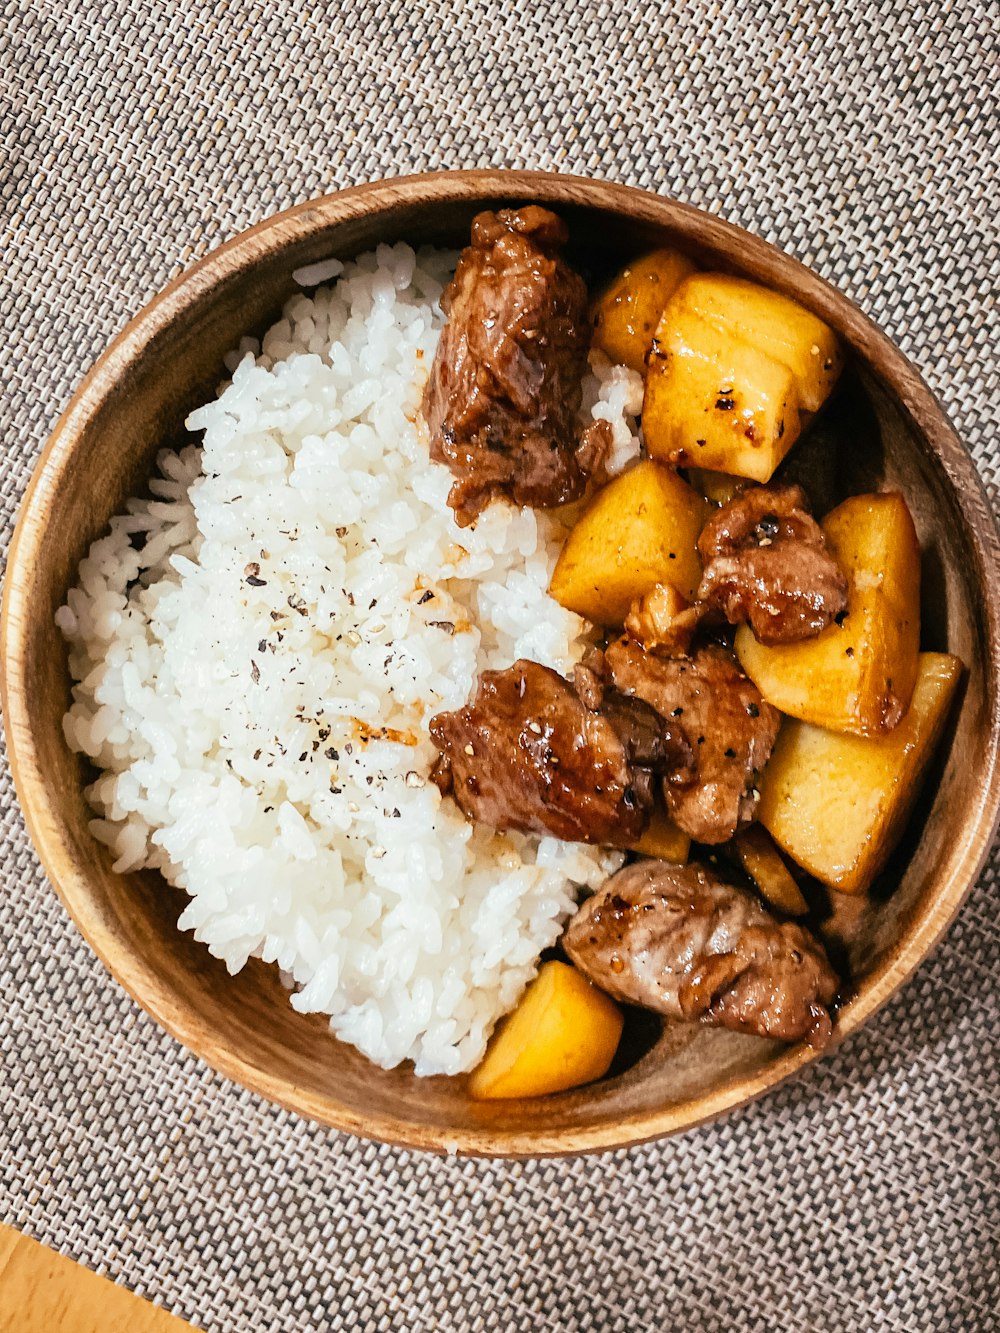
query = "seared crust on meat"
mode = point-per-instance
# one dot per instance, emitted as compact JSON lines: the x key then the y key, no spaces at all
{"x":528,"y":753}
{"x":727,"y":723}
{"x":678,"y":940}
{"x":766,"y":561}
{"x":504,"y":391}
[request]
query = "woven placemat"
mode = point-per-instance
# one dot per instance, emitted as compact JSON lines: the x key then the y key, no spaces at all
{"x":861,"y":137}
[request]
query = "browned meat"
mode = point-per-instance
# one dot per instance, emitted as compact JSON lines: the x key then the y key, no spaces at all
{"x":766,"y":561}
{"x":730,"y":729}
{"x":678,"y":940}
{"x":504,"y":390}
{"x":528,"y":754}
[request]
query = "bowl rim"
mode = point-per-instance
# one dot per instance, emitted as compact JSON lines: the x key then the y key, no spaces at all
{"x":269,"y":236}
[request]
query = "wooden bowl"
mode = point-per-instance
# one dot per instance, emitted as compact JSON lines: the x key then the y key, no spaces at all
{"x":889,"y":432}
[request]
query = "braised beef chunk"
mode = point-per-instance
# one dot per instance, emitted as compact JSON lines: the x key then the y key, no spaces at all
{"x":678,"y":940}
{"x":526,"y":754}
{"x":529,"y":754}
{"x":504,"y":390}
{"x":728,"y":725}
{"x":766,"y":561}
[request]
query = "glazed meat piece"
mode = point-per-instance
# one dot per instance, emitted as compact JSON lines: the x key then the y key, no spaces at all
{"x":678,"y":940}
{"x":504,"y":391}
{"x":766,"y":561}
{"x":529,"y":754}
{"x":730,"y":728}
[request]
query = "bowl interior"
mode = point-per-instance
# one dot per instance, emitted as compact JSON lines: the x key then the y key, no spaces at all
{"x":135,"y":402}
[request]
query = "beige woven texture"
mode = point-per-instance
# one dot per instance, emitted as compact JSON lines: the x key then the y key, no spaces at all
{"x":862,"y":138}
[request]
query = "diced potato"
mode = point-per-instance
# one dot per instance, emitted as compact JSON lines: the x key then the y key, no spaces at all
{"x":775,"y":325}
{"x":719,"y":487}
{"x":858,"y":675}
{"x":563,"y":1033}
{"x":639,"y":530}
{"x":715,"y":402}
{"x":837,"y":804}
{"x":628,"y":310}
{"x":767,"y":870}
{"x":664,"y":840}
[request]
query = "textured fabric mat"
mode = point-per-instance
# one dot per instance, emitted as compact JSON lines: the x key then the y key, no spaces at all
{"x":861,"y":137}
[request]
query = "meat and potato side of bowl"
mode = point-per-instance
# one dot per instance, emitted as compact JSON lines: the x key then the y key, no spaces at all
{"x":505,"y":664}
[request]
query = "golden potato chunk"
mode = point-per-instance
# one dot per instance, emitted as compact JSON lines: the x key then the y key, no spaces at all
{"x":713,"y":401}
{"x":837,"y":804}
{"x":764,"y":865}
{"x":858,"y":674}
{"x":664,"y":840}
{"x":564,"y":1032}
{"x":639,"y":530}
{"x":772,"y":323}
{"x":719,"y":487}
{"x":628,"y":310}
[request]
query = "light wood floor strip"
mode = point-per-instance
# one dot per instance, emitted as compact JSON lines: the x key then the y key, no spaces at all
{"x":44,"y":1292}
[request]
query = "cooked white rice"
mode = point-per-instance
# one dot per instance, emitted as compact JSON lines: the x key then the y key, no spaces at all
{"x":258,"y":649}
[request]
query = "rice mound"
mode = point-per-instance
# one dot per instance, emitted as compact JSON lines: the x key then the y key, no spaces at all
{"x":258,"y":647}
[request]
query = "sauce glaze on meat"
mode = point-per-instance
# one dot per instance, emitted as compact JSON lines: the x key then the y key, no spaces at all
{"x":505,"y":387}
{"x":766,"y":561}
{"x":528,"y":753}
{"x":723,"y":716}
{"x":678,"y":940}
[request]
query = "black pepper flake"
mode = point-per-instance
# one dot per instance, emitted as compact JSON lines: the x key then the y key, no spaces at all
{"x":849,"y":652}
{"x":753,"y":710}
{"x":701,"y":740}
{"x":827,"y":365}
{"x":262,"y":645}
{"x":396,"y":814}
{"x":331,"y":753}
{"x":702,"y":443}
{"x":372,"y":604}
{"x":628,"y":798}
{"x":254,"y":672}
{"x":268,"y":809}
{"x":781,"y":428}
{"x":447,"y":625}
{"x":768,"y":527}
{"x":303,"y":756}
{"x":729,"y":752}
{"x":677,"y":712}
{"x":277,"y":615}
{"x":725,"y":404}
{"x":256,"y":582}
{"x":427,"y":597}
{"x":335,"y":789}
{"x":671,"y":555}
{"x":256,"y":754}
{"x":840,"y":617}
